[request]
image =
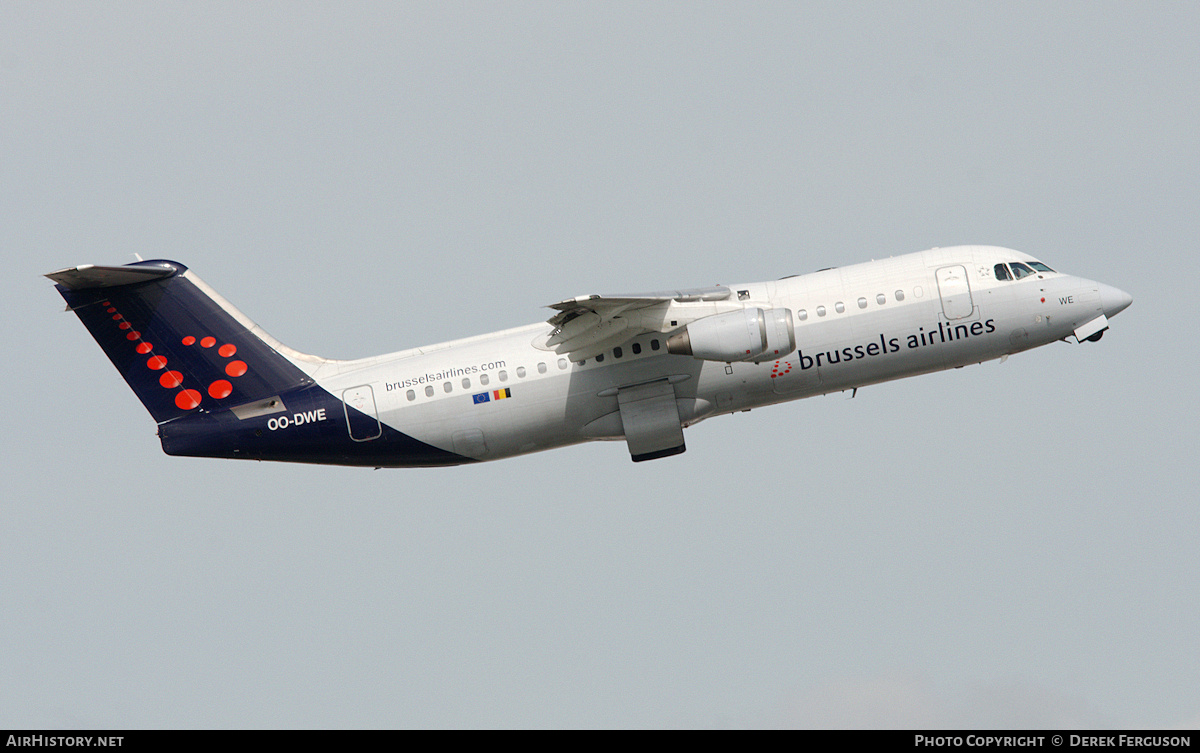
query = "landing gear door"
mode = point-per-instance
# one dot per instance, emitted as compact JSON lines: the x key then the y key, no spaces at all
{"x":650,"y":420}
{"x":361,"y":417}
{"x":956,"y":292}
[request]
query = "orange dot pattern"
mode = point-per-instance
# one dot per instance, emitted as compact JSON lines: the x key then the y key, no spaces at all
{"x":220,"y":389}
{"x":185,"y":399}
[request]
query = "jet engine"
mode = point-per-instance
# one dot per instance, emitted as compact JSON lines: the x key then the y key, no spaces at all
{"x":746,"y":335}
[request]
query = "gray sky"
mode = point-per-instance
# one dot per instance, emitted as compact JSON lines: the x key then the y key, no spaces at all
{"x":1003,"y":545}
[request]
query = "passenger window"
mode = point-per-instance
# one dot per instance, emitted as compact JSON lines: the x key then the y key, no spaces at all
{"x":918,"y":291}
{"x":520,"y":372}
{"x":541,"y":368}
{"x":802,"y":314}
{"x":1002,"y":272}
{"x":881,"y":299}
{"x":466,"y":383}
{"x":411,"y":395}
{"x":617,"y":352}
{"x":562,"y":363}
{"x":841,"y":309}
{"x":654,"y":345}
{"x":429,"y":390}
{"x":820,"y":311}
{"x":483,"y":379}
{"x":862,"y":303}
{"x":1020,"y":270}
{"x":503,"y":375}
{"x":637,"y":348}
{"x":447,"y":387}
{"x":899,"y":295}
{"x":600,"y":358}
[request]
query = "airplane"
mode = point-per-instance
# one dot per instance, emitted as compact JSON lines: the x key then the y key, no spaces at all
{"x":604,"y":367}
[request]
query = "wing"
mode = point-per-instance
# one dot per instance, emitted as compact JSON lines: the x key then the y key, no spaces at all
{"x":589,"y":325}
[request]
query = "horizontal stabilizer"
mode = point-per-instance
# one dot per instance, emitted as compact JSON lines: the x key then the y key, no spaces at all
{"x":91,"y":276}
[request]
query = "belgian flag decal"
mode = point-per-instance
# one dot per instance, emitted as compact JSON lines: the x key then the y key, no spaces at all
{"x":487,"y":397}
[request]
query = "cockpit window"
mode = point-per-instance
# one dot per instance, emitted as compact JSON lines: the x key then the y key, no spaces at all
{"x":1020,"y":270}
{"x":1002,"y":272}
{"x":1040,"y":267}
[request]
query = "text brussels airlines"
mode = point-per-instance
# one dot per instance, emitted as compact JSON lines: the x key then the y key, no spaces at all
{"x":945,"y":333}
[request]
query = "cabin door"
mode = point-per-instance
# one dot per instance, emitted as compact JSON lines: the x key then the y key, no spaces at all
{"x":361,"y":417}
{"x":956,"y":292}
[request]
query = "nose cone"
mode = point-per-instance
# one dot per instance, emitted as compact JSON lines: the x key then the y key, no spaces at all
{"x":1113,"y":300}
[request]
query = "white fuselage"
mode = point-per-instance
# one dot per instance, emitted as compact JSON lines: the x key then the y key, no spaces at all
{"x":854,"y":326}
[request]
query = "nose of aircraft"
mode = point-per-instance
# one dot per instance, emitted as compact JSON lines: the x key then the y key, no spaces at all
{"x":1113,"y":300}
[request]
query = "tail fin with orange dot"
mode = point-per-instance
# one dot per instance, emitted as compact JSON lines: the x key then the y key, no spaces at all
{"x":181,"y":350}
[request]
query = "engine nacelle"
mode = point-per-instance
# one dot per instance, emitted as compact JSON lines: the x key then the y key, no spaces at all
{"x":746,"y":335}
{"x":781,"y":335}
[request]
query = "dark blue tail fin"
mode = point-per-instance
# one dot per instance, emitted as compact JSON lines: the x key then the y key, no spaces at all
{"x":182,"y":348}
